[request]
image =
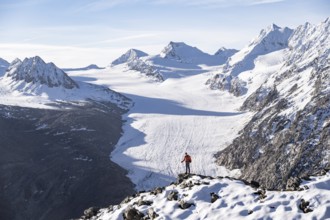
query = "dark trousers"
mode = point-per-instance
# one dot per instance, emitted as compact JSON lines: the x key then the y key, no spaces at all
{"x":187,"y":167}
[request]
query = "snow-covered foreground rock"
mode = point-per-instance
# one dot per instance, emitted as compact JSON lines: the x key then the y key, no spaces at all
{"x":201,"y":197}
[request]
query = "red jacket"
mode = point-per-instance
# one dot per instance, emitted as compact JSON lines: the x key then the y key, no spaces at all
{"x":187,"y":159}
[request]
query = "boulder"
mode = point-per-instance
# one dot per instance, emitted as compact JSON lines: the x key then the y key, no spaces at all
{"x":304,"y":206}
{"x":132,"y":213}
{"x":214,"y":197}
{"x":185,"y":205}
{"x":172,"y":196}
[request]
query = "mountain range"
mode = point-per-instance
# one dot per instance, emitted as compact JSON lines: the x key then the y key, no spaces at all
{"x":260,"y":114}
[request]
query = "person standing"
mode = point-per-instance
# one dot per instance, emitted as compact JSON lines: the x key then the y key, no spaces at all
{"x":187,"y":159}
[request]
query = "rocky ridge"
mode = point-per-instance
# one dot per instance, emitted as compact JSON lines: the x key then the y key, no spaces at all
{"x":289,"y":132}
{"x":204,"y":197}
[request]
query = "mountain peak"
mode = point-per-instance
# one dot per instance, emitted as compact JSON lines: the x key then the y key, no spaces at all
{"x":34,"y":70}
{"x":225,"y":52}
{"x":129,"y":56}
{"x":182,"y":52}
{"x":273,"y":27}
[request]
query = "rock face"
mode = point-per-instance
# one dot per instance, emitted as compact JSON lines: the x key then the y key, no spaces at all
{"x":146,"y":69}
{"x":289,"y":134}
{"x":58,"y":163}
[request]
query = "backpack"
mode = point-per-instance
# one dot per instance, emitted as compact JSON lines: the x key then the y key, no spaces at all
{"x":188,"y":159}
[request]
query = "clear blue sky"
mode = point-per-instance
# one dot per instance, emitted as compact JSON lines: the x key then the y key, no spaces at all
{"x":74,"y":33}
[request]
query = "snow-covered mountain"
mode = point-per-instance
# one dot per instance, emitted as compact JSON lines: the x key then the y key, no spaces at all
{"x":202,"y":197}
{"x":271,"y":39}
{"x":224,"y":53}
{"x":57,"y":133}
{"x":176,"y":60}
{"x":40,"y":83}
{"x":3,"y":66}
{"x":35,"y":71}
{"x":184,"y":53}
{"x":129,"y":56}
{"x":290,"y":130}
{"x":89,"y":67}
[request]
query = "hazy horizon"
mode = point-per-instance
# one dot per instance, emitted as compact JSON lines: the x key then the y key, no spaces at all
{"x":79,"y":33}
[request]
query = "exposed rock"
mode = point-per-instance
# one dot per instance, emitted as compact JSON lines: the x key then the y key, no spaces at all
{"x":146,"y":69}
{"x":261,"y":193}
{"x":182,"y":177}
{"x":152,"y":214}
{"x":90,"y":212}
{"x":260,"y":98}
{"x":126,"y":200}
{"x":304,"y":206}
{"x":214,"y":197}
{"x":34,"y":70}
{"x":293,"y":183}
{"x":231,"y":84}
{"x":142,"y":202}
{"x":157,"y":190}
{"x":254,"y":184}
{"x":290,"y":146}
{"x":172,"y":196}
{"x":185,"y":205}
{"x":132,"y":213}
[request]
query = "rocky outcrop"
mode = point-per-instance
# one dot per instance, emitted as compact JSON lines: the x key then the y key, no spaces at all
{"x":288,"y":137}
{"x":145,"y":69}
{"x":231,"y":84}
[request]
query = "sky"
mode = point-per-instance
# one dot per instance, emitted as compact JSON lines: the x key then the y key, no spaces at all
{"x":76,"y":33}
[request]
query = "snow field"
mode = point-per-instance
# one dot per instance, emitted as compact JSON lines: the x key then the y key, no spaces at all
{"x":167,"y":120}
{"x":236,"y":201}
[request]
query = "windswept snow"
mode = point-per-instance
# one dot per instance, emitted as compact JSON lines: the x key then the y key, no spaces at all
{"x":236,"y":201}
{"x":168,"y":119}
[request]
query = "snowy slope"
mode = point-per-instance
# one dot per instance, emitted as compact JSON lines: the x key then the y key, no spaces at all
{"x":232,"y":200}
{"x":181,"y":114}
{"x":184,"y":53}
{"x":176,"y":60}
{"x":270,"y":40}
{"x":224,"y":53}
{"x":168,"y":119}
{"x":290,"y":130}
{"x":34,"y":83}
{"x":129,"y":56}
